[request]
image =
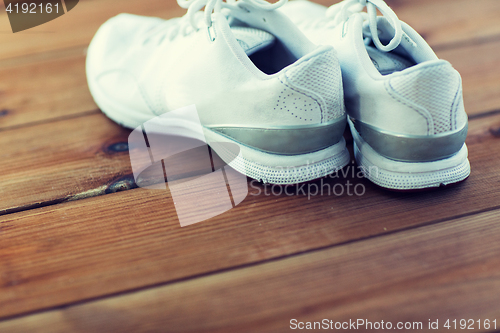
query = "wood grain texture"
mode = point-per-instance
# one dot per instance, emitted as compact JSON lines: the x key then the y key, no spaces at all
{"x":55,"y":255}
{"x":448,"y":23}
{"x":478,"y":66}
{"x":443,"y":23}
{"x":49,"y":87}
{"x":438,"y":272}
{"x":77,"y":27}
{"x":59,"y":161}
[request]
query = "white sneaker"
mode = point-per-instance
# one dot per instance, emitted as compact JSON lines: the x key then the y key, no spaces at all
{"x":254,"y":78}
{"x":405,"y":105}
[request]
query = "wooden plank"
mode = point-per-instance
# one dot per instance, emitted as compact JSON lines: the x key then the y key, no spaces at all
{"x":54,"y":255}
{"x":62,"y":160}
{"x":440,"y":272}
{"x":50,"y":88}
{"x":442,"y":22}
{"x":479,"y":67}
{"x":447,"y":23}
{"x":77,"y":27}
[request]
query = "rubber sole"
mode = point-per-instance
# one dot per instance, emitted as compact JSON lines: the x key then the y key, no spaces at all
{"x":397,"y":175}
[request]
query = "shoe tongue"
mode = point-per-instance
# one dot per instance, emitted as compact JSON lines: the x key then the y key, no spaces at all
{"x":274,"y":22}
{"x":252,"y":40}
{"x":387,"y":63}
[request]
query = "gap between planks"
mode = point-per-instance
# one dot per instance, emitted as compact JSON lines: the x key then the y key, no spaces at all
{"x":455,"y":260}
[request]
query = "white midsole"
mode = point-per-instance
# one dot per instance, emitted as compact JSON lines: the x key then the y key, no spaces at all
{"x":409,"y":175}
{"x":399,"y":166}
{"x":280,"y":169}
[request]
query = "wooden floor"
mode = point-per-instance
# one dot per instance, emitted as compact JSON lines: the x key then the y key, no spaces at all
{"x":82,"y":250}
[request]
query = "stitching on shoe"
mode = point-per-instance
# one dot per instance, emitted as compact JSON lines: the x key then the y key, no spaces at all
{"x":455,"y":106}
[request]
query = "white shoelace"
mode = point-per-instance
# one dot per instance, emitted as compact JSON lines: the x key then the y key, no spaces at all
{"x":189,"y":22}
{"x":214,"y":6}
{"x":340,"y":12}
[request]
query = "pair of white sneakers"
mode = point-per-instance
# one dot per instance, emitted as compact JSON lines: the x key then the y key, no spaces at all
{"x":259,"y":80}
